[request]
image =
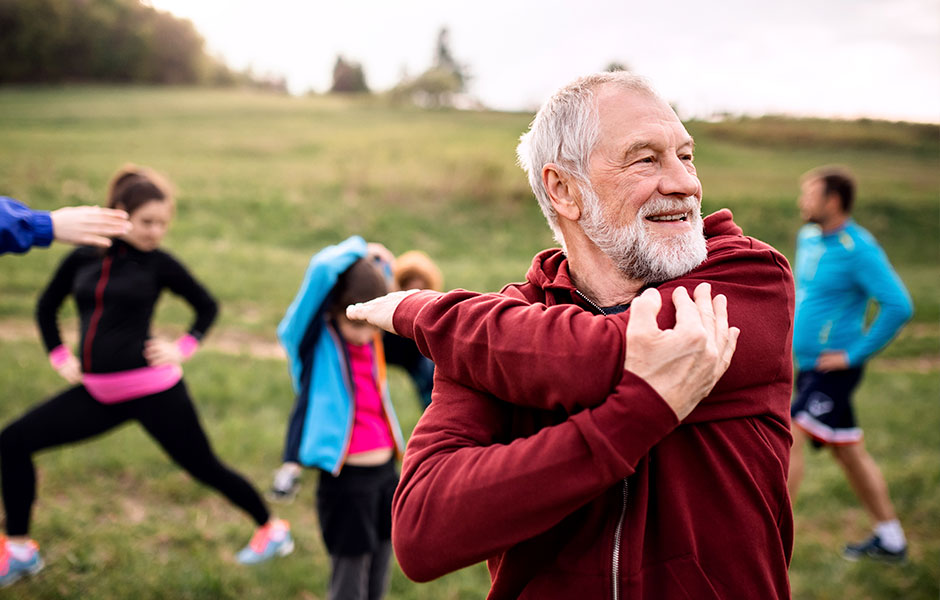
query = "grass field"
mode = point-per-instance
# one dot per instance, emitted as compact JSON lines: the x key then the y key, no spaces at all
{"x":265,"y":180}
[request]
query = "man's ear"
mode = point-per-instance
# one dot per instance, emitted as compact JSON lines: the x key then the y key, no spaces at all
{"x":563,"y":191}
{"x":834,"y":203}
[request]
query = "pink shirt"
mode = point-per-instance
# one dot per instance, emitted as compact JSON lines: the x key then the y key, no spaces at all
{"x":370,"y":427}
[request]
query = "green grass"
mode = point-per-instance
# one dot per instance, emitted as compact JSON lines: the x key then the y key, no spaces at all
{"x":264,"y":181}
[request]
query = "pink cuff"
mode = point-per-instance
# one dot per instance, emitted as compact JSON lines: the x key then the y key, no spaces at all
{"x":187,"y":345}
{"x":59,"y":355}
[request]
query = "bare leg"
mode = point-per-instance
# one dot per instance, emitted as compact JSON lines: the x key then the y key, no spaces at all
{"x":866,"y":480}
{"x":797,"y":464}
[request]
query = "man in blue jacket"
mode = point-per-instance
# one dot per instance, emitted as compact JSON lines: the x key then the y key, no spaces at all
{"x":840,"y":268}
{"x":22,"y":228}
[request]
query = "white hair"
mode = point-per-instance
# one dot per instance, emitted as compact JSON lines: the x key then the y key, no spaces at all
{"x":565,"y":131}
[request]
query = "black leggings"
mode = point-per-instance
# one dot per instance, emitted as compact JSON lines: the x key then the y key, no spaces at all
{"x":169,"y":417}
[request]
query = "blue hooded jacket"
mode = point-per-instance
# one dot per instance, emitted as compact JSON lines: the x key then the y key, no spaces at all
{"x":321,"y":422}
{"x":22,"y":228}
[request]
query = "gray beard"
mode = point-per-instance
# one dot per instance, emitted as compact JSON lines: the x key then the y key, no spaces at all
{"x":636,"y":253}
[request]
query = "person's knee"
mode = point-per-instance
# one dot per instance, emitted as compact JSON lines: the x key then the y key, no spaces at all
{"x":849,"y":455}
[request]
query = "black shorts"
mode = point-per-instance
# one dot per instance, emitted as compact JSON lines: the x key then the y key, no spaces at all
{"x":355,"y":508}
{"x":823,"y":406}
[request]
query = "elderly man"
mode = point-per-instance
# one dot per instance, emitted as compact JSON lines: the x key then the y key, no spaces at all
{"x":562,"y":445}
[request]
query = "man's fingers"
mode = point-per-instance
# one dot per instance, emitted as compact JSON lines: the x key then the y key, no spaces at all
{"x":720,"y":308}
{"x":643,"y":311}
{"x":730,"y":347}
{"x":704,"y":302}
{"x":380,"y":311}
{"x":688,"y":315}
{"x":720,"y":324}
{"x":96,"y":240}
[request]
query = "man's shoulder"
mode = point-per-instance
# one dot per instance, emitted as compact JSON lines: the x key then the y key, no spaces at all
{"x":525,"y":290}
{"x":862,"y":237}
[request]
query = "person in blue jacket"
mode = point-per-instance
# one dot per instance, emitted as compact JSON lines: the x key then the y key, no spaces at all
{"x":839,"y":269}
{"x":21,"y":228}
{"x":343,"y":423}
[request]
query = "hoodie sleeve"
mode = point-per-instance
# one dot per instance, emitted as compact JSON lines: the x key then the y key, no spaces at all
{"x":875,"y":275}
{"x":564,"y":357}
{"x":529,"y":354}
{"x":461,"y":480}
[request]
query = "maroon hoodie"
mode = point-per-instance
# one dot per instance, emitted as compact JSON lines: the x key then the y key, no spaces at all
{"x":572,"y":477}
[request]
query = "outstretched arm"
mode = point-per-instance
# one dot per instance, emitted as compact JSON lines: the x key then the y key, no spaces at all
{"x":686,"y":369}
{"x":563,"y":356}
{"x":88,"y":225}
{"x":22,"y":228}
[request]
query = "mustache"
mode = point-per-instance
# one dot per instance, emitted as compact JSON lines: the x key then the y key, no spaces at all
{"x":657,"y":206}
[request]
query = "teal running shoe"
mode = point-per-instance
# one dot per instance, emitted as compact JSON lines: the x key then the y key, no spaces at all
{"x":13,"y":568}
{"x":270,"y":540}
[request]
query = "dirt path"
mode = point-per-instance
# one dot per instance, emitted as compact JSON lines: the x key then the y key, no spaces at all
{"x":226,"y":341}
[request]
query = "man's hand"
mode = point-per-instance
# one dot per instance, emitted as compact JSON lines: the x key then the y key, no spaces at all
{"x":379,"y":311}
{"x":88,"y":225}
{"x":70,"y":370}
{"x":162,"y":352}
{"x":833,"y":360}
{"x":682,"y":364}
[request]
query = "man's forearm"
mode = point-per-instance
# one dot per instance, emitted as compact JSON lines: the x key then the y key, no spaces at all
{"x":458,"y":484}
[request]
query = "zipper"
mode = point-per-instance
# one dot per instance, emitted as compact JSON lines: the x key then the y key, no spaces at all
{"x":618,"y":536}
{"x":96,"y":315}
{"x":618,"y":532}
{"x":589,"y":301}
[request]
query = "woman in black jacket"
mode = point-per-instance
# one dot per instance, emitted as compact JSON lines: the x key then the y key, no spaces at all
{"x":121,"y":373}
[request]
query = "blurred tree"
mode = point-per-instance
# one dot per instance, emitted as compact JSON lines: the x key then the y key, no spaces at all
{"x":444,"y":59}
{"x":614,"y":65}
{"x":52,"y":41}
{"x":441,"y":84}
{"x":348,"y":77}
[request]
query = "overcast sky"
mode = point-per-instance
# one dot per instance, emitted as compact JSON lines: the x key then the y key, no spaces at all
{"x":842,"y":58}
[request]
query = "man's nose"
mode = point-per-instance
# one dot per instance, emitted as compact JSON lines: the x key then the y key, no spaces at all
{"x":677,"y":180}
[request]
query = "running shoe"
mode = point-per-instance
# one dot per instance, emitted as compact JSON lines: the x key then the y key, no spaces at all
{"x":270,"y":540}
{"x":285,"y":486}
{"x":13,"y":568}
{"x":874,"y":549}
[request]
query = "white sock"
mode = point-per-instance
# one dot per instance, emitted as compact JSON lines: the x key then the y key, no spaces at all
{"x":891,"y":535}
{"x":20,"y":551}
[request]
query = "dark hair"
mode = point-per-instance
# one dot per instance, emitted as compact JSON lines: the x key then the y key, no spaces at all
{"x":836,"y":180}
{"x":133,"y":186}
{"x":359,"y":283}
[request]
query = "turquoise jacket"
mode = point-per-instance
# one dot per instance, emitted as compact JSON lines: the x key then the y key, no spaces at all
{"x":321,"y":422}
{"x":837,"y":274}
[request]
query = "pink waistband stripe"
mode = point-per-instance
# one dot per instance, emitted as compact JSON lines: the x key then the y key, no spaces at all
{"x":128,"y":385}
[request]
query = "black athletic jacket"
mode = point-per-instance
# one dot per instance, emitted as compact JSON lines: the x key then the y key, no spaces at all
{"x":115,"y":293}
